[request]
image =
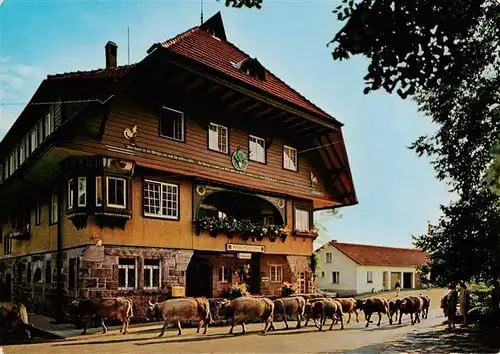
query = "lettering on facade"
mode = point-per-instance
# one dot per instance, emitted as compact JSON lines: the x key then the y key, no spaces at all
{"x":218,"y":167}
{"x":244,"y":256}
{"x":244,"y":248}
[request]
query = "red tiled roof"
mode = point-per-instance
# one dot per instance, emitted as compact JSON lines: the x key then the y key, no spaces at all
{"x":199,"y":45}
{"x":108,"y":73}
{"x":382,"y":256}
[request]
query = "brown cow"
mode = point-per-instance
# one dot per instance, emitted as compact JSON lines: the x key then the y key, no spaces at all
{"x":348,"y":306}
{"x":393,"y":310}
{"x":308,"y":310}
{"x":327,"y":308}
{"x":410,"y":305}
{"x":246,"y":308}
{"x":118,"y":307}
{"x":427,"y":304}
{"x":372,"y":305}
{"x":15,"y":315}
{"x":289,"y":306}
{"x":183,"y":309}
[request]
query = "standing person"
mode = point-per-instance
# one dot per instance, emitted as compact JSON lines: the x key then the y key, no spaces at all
{"x":464,"y":298}
{"x":495,"y":300}
{"x":397,"y":286}
{"x":451,"y":303}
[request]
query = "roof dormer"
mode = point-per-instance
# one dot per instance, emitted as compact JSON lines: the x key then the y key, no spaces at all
{"x":215,"y":26}
{"x":252,"y":67}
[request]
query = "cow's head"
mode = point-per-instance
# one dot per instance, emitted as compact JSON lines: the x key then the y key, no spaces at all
{"x":152,"y":309}
{"x":71,"y":308}
{"x":359,"y":304}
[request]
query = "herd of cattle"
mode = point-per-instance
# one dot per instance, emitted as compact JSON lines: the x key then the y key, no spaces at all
{"x":239,"y":311}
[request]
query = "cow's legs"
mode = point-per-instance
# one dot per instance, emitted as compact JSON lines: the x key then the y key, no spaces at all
{"x":356,"y":312}
{"x":104,"y":328}
{"x":163,"y":329}
{"x":122,"y":329}
{"x":299,"y":320}
{"x":389,"y":317}
{"x":269,"y":323}
{"x":206,"y":326}
{"x":368,"y":319}
{"x":411,"y":318}
{"x":379,"y":318}
{"x":232,"y":327}
{"x":87,"y":324}
{"x":400,"y":316}
{"x":199,"y":326}
{"x":307,"y":320}
{"x":349,"y":319}
{"x":244,"y":330}
{"x":284,"y":320}
{"x":179,"y":327}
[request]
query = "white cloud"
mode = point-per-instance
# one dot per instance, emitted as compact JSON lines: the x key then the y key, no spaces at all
{"x":24,"y":70}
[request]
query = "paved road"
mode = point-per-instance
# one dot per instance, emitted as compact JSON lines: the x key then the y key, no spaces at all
{"x":354,"y":339}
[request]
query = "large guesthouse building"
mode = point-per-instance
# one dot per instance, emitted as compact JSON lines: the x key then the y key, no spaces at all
{"x":179,"y":175}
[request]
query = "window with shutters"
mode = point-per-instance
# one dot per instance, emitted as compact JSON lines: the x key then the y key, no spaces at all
{"x":217,"y":138}
{"x":257,"y":147}
{"x":290,"y":158}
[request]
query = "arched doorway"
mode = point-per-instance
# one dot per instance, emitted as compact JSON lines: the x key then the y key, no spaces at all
{"x":199,"y":277}
{"x":8,"y":287}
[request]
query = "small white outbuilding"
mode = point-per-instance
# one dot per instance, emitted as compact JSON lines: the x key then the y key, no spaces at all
{"x":351,"y":269}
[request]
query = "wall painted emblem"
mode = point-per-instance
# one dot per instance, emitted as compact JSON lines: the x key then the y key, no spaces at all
{"x":130,"y":134}
{"x":239,"y":160}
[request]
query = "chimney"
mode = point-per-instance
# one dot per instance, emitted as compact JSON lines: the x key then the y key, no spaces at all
{"x":111,"y":54}
{"x":334,"y":241}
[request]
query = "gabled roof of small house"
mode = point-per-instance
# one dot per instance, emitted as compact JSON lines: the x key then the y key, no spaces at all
{"x":106,"y":73}
{"x":381,"y":256}
{"x":199,"y":44}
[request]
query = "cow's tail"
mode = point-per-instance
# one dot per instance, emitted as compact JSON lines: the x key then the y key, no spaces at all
{"x":22,"y":314}
{"x":130,"y":311}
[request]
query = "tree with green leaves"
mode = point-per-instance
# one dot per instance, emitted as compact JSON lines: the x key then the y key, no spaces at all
{"x":444,"y":54}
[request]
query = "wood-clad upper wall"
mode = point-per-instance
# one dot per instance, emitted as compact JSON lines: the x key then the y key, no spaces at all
{"x":270,"y":176}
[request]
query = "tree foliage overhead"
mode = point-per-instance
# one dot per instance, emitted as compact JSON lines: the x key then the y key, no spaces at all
{"x":444,"y":54}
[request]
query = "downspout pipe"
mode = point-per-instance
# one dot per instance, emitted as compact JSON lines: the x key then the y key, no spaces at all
{"x":59,"y":258}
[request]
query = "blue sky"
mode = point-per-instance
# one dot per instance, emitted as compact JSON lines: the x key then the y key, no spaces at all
{"x":397,"y":191}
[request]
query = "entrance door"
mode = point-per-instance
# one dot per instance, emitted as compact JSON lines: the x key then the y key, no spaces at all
{"x":199,"y":278}
{"x":407,"y":281}
{"x":302,"y":282}
{"x":385,"y":275}
{"x":255,"y":273}
{"x":8,"y":287}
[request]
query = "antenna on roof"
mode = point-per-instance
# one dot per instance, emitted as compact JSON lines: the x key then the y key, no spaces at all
{"x":128,"y":43}
{"x":201,"y":10}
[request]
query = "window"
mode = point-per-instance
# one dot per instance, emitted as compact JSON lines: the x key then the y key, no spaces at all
{"x":257,"y":147}
{"x":151,"y":274}
{"x":33,"y":143}
{"x":329,"y":257}
{"x":1,"y":173}
{"x":276,"y":274}
{"x":221,"y":214}
{"x":269,"y":220}
{"x":28,"y":273}
{"x":289,"y":158}
{"x":126,"y":274}
{"x":7,"y":245}
{"x":74,"y":265}
{"x":48,"y":272}
{"x":217,"y":138}
{"x":12,"y":164}
{"x":38,"y":213}
{"x":322,"y":274}
{"x":301,"y":220}
{"x":172,"y":124}
{"x":53,"y":209}
{"x":116,"y":192}
{"x":26,"y":147}
{"x":40,"y":131}
{"x":98,"y":191}
{"x":224,"y":275}
{"x":82,"y":191}
{"x":161,"y":200}
{"x":47,"y":125}
{"x":22,"y":153}
{"x":335,"y":277}
{"x":37,"y":276}
{"x":70,"y":194}
{"x":369,"y":276}
{"x":6,"y":169}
